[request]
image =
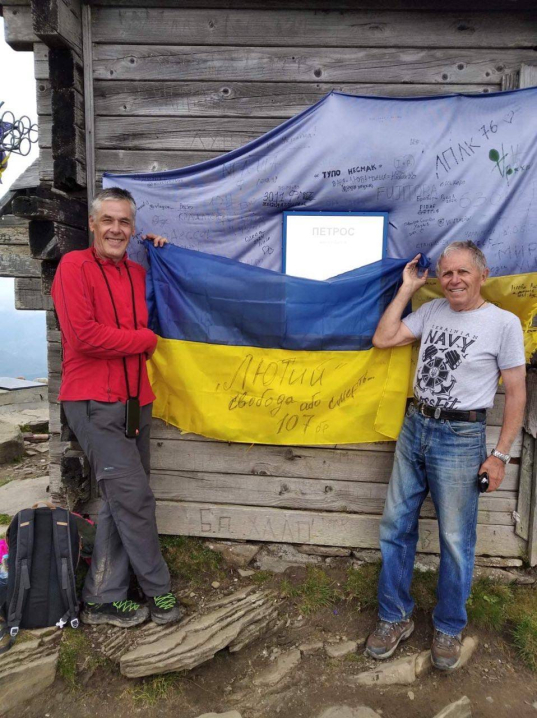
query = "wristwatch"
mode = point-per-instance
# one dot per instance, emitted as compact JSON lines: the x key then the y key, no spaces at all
{"x":506,"y":458}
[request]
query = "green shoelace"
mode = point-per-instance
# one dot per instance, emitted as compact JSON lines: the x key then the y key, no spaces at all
{"x":126,"y":606}
{"x":165,"y":602}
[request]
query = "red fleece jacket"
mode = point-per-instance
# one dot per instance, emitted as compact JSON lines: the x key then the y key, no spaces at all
{"x":93,"y":346}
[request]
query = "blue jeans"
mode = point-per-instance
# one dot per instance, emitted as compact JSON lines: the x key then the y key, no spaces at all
{"x":442,"y":457}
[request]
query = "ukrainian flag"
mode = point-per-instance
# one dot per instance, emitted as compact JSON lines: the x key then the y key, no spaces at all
{"x":251,"y":355}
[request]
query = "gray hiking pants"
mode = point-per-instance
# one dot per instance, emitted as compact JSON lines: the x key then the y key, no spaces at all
{"x":126,"y":525}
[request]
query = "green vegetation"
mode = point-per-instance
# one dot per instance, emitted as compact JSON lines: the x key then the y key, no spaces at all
{"x":361,"y":585}
{"x":190,"y":559}
{"x":155,"y":688}
{"x":76,"y":653}
{"x":261,"y":577}
{"x":5,"y":518}
{"x":317,"y":591}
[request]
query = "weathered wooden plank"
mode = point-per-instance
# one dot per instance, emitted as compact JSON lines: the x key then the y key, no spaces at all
{"x":68,"y":140}
{"x":307,"y":64}
{"x":16,"y":261}
{"x":242,"y":99}
{"x":46,"y":166}
{"x":58,"y":23}
{"x":297,"y":462}
{"x":147,"y":161}
{"x":45,"y":132}
{"x":13,"y":230}
{"x":528,"y":75}
{"x":309,"y":494}
{"x":161,"y":431}
{"x":495,"y":415}
{"x":311,"y":527}
{"x":158,"y":133}
{"x":28,"y":295}
{"x":454,"y":5}
{"x":51,"y":206}
{"x":89,"y":108}
{"x":263,"y":460}
{"x":314,"y":29}
{"x":51,"y":240}
{"x":525,"y":490}
{"x":532,"y":532}
{"x":18,"y":28}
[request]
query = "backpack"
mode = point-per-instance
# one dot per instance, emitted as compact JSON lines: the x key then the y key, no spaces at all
{"x":44,"y":550}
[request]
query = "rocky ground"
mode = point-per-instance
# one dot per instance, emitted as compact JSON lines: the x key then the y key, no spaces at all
{"x":308,"y":663}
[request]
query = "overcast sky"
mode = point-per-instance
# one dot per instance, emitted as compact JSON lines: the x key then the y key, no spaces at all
{"x":17,"y":92}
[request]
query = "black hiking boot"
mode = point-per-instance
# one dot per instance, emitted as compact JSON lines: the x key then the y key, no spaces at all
{"x":165,"y":609}
{"x":120,"y":613}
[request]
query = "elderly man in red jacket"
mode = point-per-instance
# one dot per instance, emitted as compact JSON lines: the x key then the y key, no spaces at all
{"x":99,"y":296}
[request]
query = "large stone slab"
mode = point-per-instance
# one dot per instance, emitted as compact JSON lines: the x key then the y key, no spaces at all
{"x":35,"y":418}
{"x":401,"y":672}
{"x":232,"y":622}
{"x":348,"y":712}
{"x":460,"y":709}
{"x":235,"y":554}
{"x":11,"y":443}
{"x":22,"y":493}
{"x":278,"y":672}
{"x":27,"y":669}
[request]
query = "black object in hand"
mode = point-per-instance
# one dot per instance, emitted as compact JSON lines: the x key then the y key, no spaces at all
{"x":483,"y":482}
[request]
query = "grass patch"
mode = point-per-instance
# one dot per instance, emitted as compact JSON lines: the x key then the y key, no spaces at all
{"x":189,"y":558}
{"x":76,"y":654}
{"x":423,"y":589}
{"x":151,"y":691}
{"x":488,"y":605}
{"x":5,"y":518}
{"x":261,"y":577}
{"x":361,"y":585}
{"x":317,"y":591}
{"x":525,"y":638}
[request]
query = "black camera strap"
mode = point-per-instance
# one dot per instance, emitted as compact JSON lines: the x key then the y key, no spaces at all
{"x":129,"y":395}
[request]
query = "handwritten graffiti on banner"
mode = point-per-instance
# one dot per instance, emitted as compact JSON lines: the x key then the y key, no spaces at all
{"x":277,"y":396}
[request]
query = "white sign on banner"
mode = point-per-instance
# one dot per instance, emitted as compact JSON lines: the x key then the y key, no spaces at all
{"x":320,"y":245}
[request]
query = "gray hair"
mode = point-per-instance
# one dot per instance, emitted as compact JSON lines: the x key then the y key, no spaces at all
{"x":114,"y":193}
{"x":478,"y":257}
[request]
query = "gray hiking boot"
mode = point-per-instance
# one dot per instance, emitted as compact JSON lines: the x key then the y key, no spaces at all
{"x":446,"y":651}
{"x":123,"y":614}
{"x":165,"y":609}
{"x":386,"y":637}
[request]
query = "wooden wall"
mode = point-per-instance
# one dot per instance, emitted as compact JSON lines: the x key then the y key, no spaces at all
{"x":174,"y":86}
{"x":175,"y":83}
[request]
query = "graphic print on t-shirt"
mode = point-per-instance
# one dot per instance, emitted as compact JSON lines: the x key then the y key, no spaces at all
{"x":443,"y":352}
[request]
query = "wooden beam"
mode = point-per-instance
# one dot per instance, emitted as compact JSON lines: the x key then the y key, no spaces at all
{"x":181,"y":26}
{"x":372,"y":464}
{"x":308,"y":494}
{"x":18,"y":29}
{"x":311,"y":527}
{"x":525,"y":490}
{"x":305,"y":64}
{"x":241,"y":99}
{"x":48,"y":205}
{"x":13,"y":230}
{"x":58,"y":23}
{"x":16,"y":261}
{"x":89,"y":107}
{"x":463,"y":6}
{"x":68,"y":140}
{"x":28,"y":295}
{"x":51,"y":240}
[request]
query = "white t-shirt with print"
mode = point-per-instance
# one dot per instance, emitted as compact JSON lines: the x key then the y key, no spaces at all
{"x":462,"y":353}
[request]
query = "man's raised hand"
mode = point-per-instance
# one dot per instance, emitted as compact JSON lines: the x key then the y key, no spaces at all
{"x":412,"y":279}
{"x":157,"y":240}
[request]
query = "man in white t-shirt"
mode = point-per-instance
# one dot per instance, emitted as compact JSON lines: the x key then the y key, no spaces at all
{"x":466,"y":345}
